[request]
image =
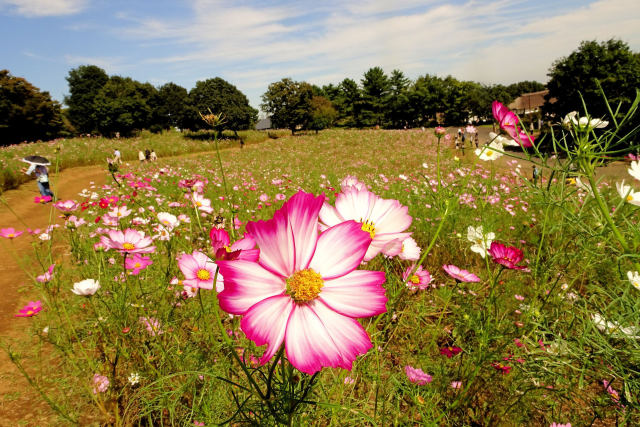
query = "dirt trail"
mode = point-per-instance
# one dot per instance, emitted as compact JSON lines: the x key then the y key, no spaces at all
{"x":19,"y":403}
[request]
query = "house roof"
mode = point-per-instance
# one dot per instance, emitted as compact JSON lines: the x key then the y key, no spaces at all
{"x":530,"y":101}
{"x":264,"y":124}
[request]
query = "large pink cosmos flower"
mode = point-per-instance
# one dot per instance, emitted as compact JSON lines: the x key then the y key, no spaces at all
{"x":31,"y":309}
{"x":305,"y":291}
{"x":459,"y":274}
{"x":130,"y":241}
{"x":508,"y":256}
{"x":509,"y":122}
{"x":10,"y":233}
{"x":244,"y":248}
{"x":66,"y":205}
{"x":199,"y":271}
{"x":384,"y":219}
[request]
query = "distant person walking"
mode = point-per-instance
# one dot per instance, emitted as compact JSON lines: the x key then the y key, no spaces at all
{"x":153,"y":156}
{"x":42,"y":179}
{"x":147,"y":154}
{"x":141,"y":156}
{"x":117,"y":157}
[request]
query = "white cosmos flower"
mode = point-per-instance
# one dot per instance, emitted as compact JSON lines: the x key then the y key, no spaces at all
{"x":410,"y":250}
{"x":168,"y":220}
{"x":608,"y":327}
{"x":490,"y":152}
{"x":634,"y":170}
{"x":583,"y":123}
{"x":502,"y":140}
{"x":627,"y":193}
{"x":86,"y":287}
{"x":586,"y":187}
{"x":481,"y":241}
{"x":634,"y":278}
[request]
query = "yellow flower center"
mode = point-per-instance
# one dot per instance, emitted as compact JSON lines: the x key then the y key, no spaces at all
{"x":369,"y":227}
{"x":203,"y":274}
{"x":128,"y":246}
{"x":489,"y":152}
{"x":12,"y":235}
{"x":228,"y":249}
{"x":629,"y":198}
{"x":137,"y":265}
{"x":304,"y":285}
{"x":30,"y":312}
{"x":414,"y":279}
{"x":198,"y":204}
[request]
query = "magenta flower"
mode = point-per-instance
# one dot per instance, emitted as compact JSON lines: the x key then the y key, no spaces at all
{"x":304,"y":290}
{"x":440,"y":131}
{"x":508,"y":256}
{"x":137,"y":263}
{"x":459,"y":274}
{"x":42,"y":199}
{"x":509,"y":122}
{"x":417,"y":376}
{"x":10,"y":233}
{"x":199,"y":271}
{"x":31,"y":309}
{"x":420,"y":279}
{"x":130,"y":241}
{"x":152,"y":325}
{"x":100,"y":383}
{"x":450,"y":351}
{"x":47,"y":275}
{"x":244,"y":248}
{"x":385,"y":220}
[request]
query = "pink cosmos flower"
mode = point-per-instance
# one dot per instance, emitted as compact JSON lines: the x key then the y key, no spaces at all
{"x":456,"y":385}
{"x":410,"y":250}
{"x":352,"y":181}
{"x":152,"y":325}
{"x":420,"y":279}
{"x":128,"y":241}
{"x":440,"y":131}
{"x":42,"y":199}
{"x":509,"y":122}
{"x":263,"y":197}
{"x":31,"y":309}
{"x":47,"y":276}
{"x":137,"y":263}
{"x":560,"y":425}
{"x":10,"y":233}
{"x":417,"y":376}
{"x":304,"y":290}
{"x":201,"y":203}
{"x":385,"y":220}
{"x":280,"y":196}
{"x":100,"y":383}
{"x":244,"y":248}
{"x":459,"y":274}
{"x":199,"y":271}
{"x":66,"y":205}
{"x":119,"y":212}
{"x":508,"y":256}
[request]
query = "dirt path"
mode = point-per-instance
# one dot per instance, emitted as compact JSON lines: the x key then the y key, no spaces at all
{"x":19,"y":403}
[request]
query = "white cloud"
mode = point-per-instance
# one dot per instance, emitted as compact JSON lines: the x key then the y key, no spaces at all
{"x":39,"y":8}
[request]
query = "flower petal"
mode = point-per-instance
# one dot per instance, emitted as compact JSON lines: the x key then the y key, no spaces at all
{"x":318,"y":337}
{"x":302,"y":214}
{"x":246,"y":283}
{"x":357,"y":294}
{"x":340,"y":250}
{"x":275,"y":240}
{"x":329,"y":216}
{"x":265,"y":323}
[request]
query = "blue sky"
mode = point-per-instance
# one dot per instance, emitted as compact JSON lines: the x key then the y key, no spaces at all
{"x":254,"y":43}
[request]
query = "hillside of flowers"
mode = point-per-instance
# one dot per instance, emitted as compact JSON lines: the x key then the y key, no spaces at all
{"x":350,"y":278}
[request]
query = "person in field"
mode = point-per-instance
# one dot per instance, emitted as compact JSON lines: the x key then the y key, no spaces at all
{"x":42,"y":179}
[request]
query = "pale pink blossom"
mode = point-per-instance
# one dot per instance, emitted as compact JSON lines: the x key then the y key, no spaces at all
{"x":459,"y":274}
{"x":417,"y":376}
{"x":199,"y":271}
{"x":128,"y":241}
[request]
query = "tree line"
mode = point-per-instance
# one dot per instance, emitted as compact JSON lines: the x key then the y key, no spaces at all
{"x":108,"y":105}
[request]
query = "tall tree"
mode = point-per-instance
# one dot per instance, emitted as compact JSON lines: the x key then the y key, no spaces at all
{"x":375,"y":89}
{"x":171,"y":107}
{"x":123,"y":105}
{"x":288,"y":103}
{"x":26,"y":114}
{"x":397,"y":106}
{"x":350,"y":101}
{"x":221,"y":97}
{"x":612,"y":63}
{"x":84,"y":84}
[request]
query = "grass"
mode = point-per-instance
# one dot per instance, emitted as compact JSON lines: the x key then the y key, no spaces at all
{"x":532,"y":352}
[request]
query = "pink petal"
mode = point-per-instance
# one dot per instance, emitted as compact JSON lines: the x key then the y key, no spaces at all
{"x":246,"y":283}
{"x":389,"y":216}
{"x":329,"y":216}
{"x":188,"y":265}
{"x":265,"y":323}
{"x":275,"y":240}
{"x":340,"y":250}
{"x":318,"y":337}
{"x":302,"y":213}
{"x":357,"y":294}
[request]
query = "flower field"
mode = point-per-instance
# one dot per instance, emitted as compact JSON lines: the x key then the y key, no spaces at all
{"x":347,"y":278}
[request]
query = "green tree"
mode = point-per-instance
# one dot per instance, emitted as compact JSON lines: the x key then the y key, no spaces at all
{"x":171,"y":107}
{"x":84,"y":84}
{"x":288,"y":103}
{"x":611,"y":63}
{"x":322,"y":113}
{"x":375,"y":90}
{"x":350,"y":104}
{"x":123,"y":105}
{"x":426,"y":100}
{"x":397,"y":105}
{"x":526,"y":86}
{"x":26,"y":114}
{"x":221,"y":97}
